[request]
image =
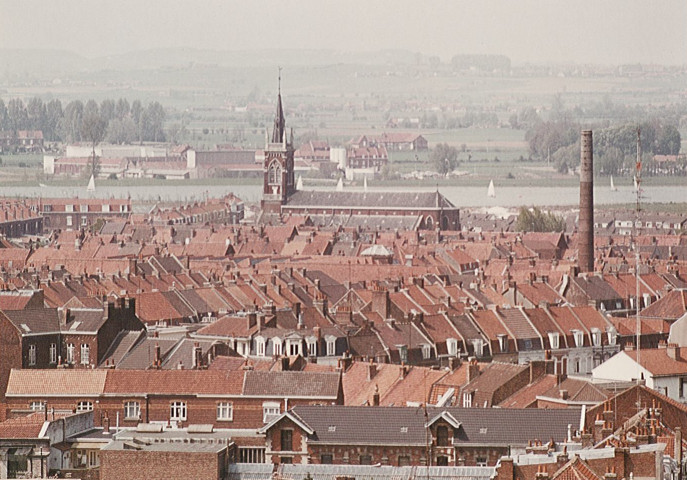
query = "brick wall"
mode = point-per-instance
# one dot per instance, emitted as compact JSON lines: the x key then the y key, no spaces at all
{"x":351,"y":454}
{"x":136,"y":464}
{"x":10,"y":351}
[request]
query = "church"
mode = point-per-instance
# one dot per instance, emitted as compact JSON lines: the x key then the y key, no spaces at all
{"x":380,"y":210}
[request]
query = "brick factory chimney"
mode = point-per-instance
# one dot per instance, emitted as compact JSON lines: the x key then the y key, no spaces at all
{"x":586,"y":223}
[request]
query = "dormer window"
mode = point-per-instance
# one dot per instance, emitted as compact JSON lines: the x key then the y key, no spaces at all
{"x":276,"y":346}
{"x":578,"y":335}
{"x":260,"y":346}
{"x":478,"y":346}
{"x":426,"y":351}
{"x":554,"y":340}
{"x":452,"y":346}
{"x":596,"y":337}
{"x":612,"y":336}
{"x":503,"y":342}
{"x":403,"y":353}
{"x":467,"y":399}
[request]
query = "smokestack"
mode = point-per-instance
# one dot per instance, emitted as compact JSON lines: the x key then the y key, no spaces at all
{"x":586,"y":226}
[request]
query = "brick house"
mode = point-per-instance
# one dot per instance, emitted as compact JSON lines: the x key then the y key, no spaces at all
{"x":75,"y":213}
{"x":405,"y":436}
{"x":40,"y":338}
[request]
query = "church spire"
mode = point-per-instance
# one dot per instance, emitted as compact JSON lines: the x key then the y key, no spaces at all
{"x":279,"y":122}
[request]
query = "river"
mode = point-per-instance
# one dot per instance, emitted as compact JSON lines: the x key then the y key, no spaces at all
{"x":460,"y":196}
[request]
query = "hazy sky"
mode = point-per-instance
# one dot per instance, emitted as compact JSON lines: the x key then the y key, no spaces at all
{"x":594,"y":31}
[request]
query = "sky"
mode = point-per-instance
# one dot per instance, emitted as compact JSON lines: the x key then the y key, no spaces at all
{"x":577,"y":31}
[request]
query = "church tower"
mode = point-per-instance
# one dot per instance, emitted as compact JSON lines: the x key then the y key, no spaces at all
{"x":278,"y":181}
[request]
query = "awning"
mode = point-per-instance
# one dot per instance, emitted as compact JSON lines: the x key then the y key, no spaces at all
{"x":19,"y":451}
{"x":88,"y":445}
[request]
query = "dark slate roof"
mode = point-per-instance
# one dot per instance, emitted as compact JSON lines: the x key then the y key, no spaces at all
{"x":84,"y":320}
{"x":35,"y":320}
{"x":381,"y":200}
{"x":406,"y":425}
{"x":291,"y":384}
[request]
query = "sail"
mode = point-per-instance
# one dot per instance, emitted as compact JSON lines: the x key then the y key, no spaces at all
{"x":299,"y":183}
{"x":491,"y":192}
{"x":91,"y":184}
{"x":339,"y":186}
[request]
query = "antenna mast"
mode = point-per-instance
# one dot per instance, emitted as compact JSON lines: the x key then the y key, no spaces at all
{"x":638,"y":182}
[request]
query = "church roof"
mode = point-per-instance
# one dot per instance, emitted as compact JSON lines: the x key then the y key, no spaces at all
{"x":378,"y":200}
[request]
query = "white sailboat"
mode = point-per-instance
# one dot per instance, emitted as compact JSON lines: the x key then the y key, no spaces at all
{"x":339,"y":186}
{"x":491,"y":191}
{"x":613,"y":187}
{"x":91,"y":184}
{"x":365,"y":184}
{"x":299,"y":183}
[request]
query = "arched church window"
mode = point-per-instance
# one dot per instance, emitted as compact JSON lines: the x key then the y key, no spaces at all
{"x":274,"y":173}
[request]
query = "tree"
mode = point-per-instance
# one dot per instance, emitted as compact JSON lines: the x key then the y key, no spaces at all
{"x":70,"y":126}
{"x":534,"y":220}
{"x":121,"y":130}
{"x":17,"y":116}
{"x":444,"y":158}
{"x":53,"y":116}
{"x":93,"y":128}
{"x":4,"y":119}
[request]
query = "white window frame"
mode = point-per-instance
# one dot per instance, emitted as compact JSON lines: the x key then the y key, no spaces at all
{"x":32,"y":355}
{"x":578,"y":335}
{"x":53,"y":353}
{"x":84,"y":406}
{"x":331,"y":346}
{"x":132,"y":409}
{"x":260,"y":346}
{"x":83,"y":208}
{"x":426,"y":351}
{"x":270,"y":409}
{"x":452,"y":346}
{"x":467,"y":400}
{"x":276,"y":346}
{"x":70,"y":221}
{"x":312,"y":347}
{"x":225,"y":411}
{"x":106,"y":207}
{"x":596,"y":337}
{"x":554,"y":340}
{"x":178,"y":411}
{"x":503,"y":342}
{"x":69,"y":208}
{"x":85,"y":354}
{"x":37,"y":406}
{"x":70,"y":352}
{"x":84,"y":221}
{"x":612,"y":336}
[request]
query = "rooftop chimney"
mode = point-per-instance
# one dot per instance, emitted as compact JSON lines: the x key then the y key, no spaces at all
{"x":586,"y":223}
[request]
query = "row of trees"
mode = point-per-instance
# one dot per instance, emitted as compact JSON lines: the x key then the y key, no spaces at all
{"x":115,"y":121}
{"x":615,"y":147}
{"x":534,"y":220}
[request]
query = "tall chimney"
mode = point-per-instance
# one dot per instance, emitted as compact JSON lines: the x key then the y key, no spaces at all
{"x":586,"y":226}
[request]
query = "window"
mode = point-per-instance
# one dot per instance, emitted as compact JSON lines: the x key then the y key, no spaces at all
{"x":452,"y":346}
{"x":365,"y":459}
{"x":478,"y":345}
{"x":84,"y":406}
{"x":32,"y":355}
{"x":47,"y":208}
{"x":287,"y":460}
{"x":269,"y":410}
{"x":681,"y":387}
{"x":312,"y":348}
{"x":132,"y":409}
{"x":579,"y":338}
{"x":596,"y":337}
{"x":403,"y":353}
{"x":36,"y":406}
{"x":442,"y":436}
{"x":554,"y":340}
{"x":177,"y":411}
{"x":294,"y":347}
{"x":442,"y":461}
{"x":123,"y":208}
{"x":403,"y":460}
{"x":612,"y":336}
{"x":286,"y":443}
{"x":85,"y":354}
{"x":83,"y":208}
{"x":426,"y":351}
{"x":260,"y":346}
{"x":331,"y":346}
{"x":326,"y":459}
{"x":93,"y":458}
{"x":467,"y":399}
{"x":225,"y":411}
{"x":481,"y":461}
{"x":106,"y":207}
{"x":70,"y":353}
{"x":53,"y":353}
{"x":69,"y":208}
{"x":276,"y":346}
{"x":84,"y":221}
{"x":503,"y":342}
{"x":70,"y":222}
{"x":274,"y":174}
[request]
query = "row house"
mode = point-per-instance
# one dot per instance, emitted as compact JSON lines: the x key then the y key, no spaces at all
{"x":242,"y":400}
{"x":403,"y":436}
{"x":43,"y":338}
{"x":75,"y":213}
{"x":21,"y":141}
{"x":18,"y":217}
